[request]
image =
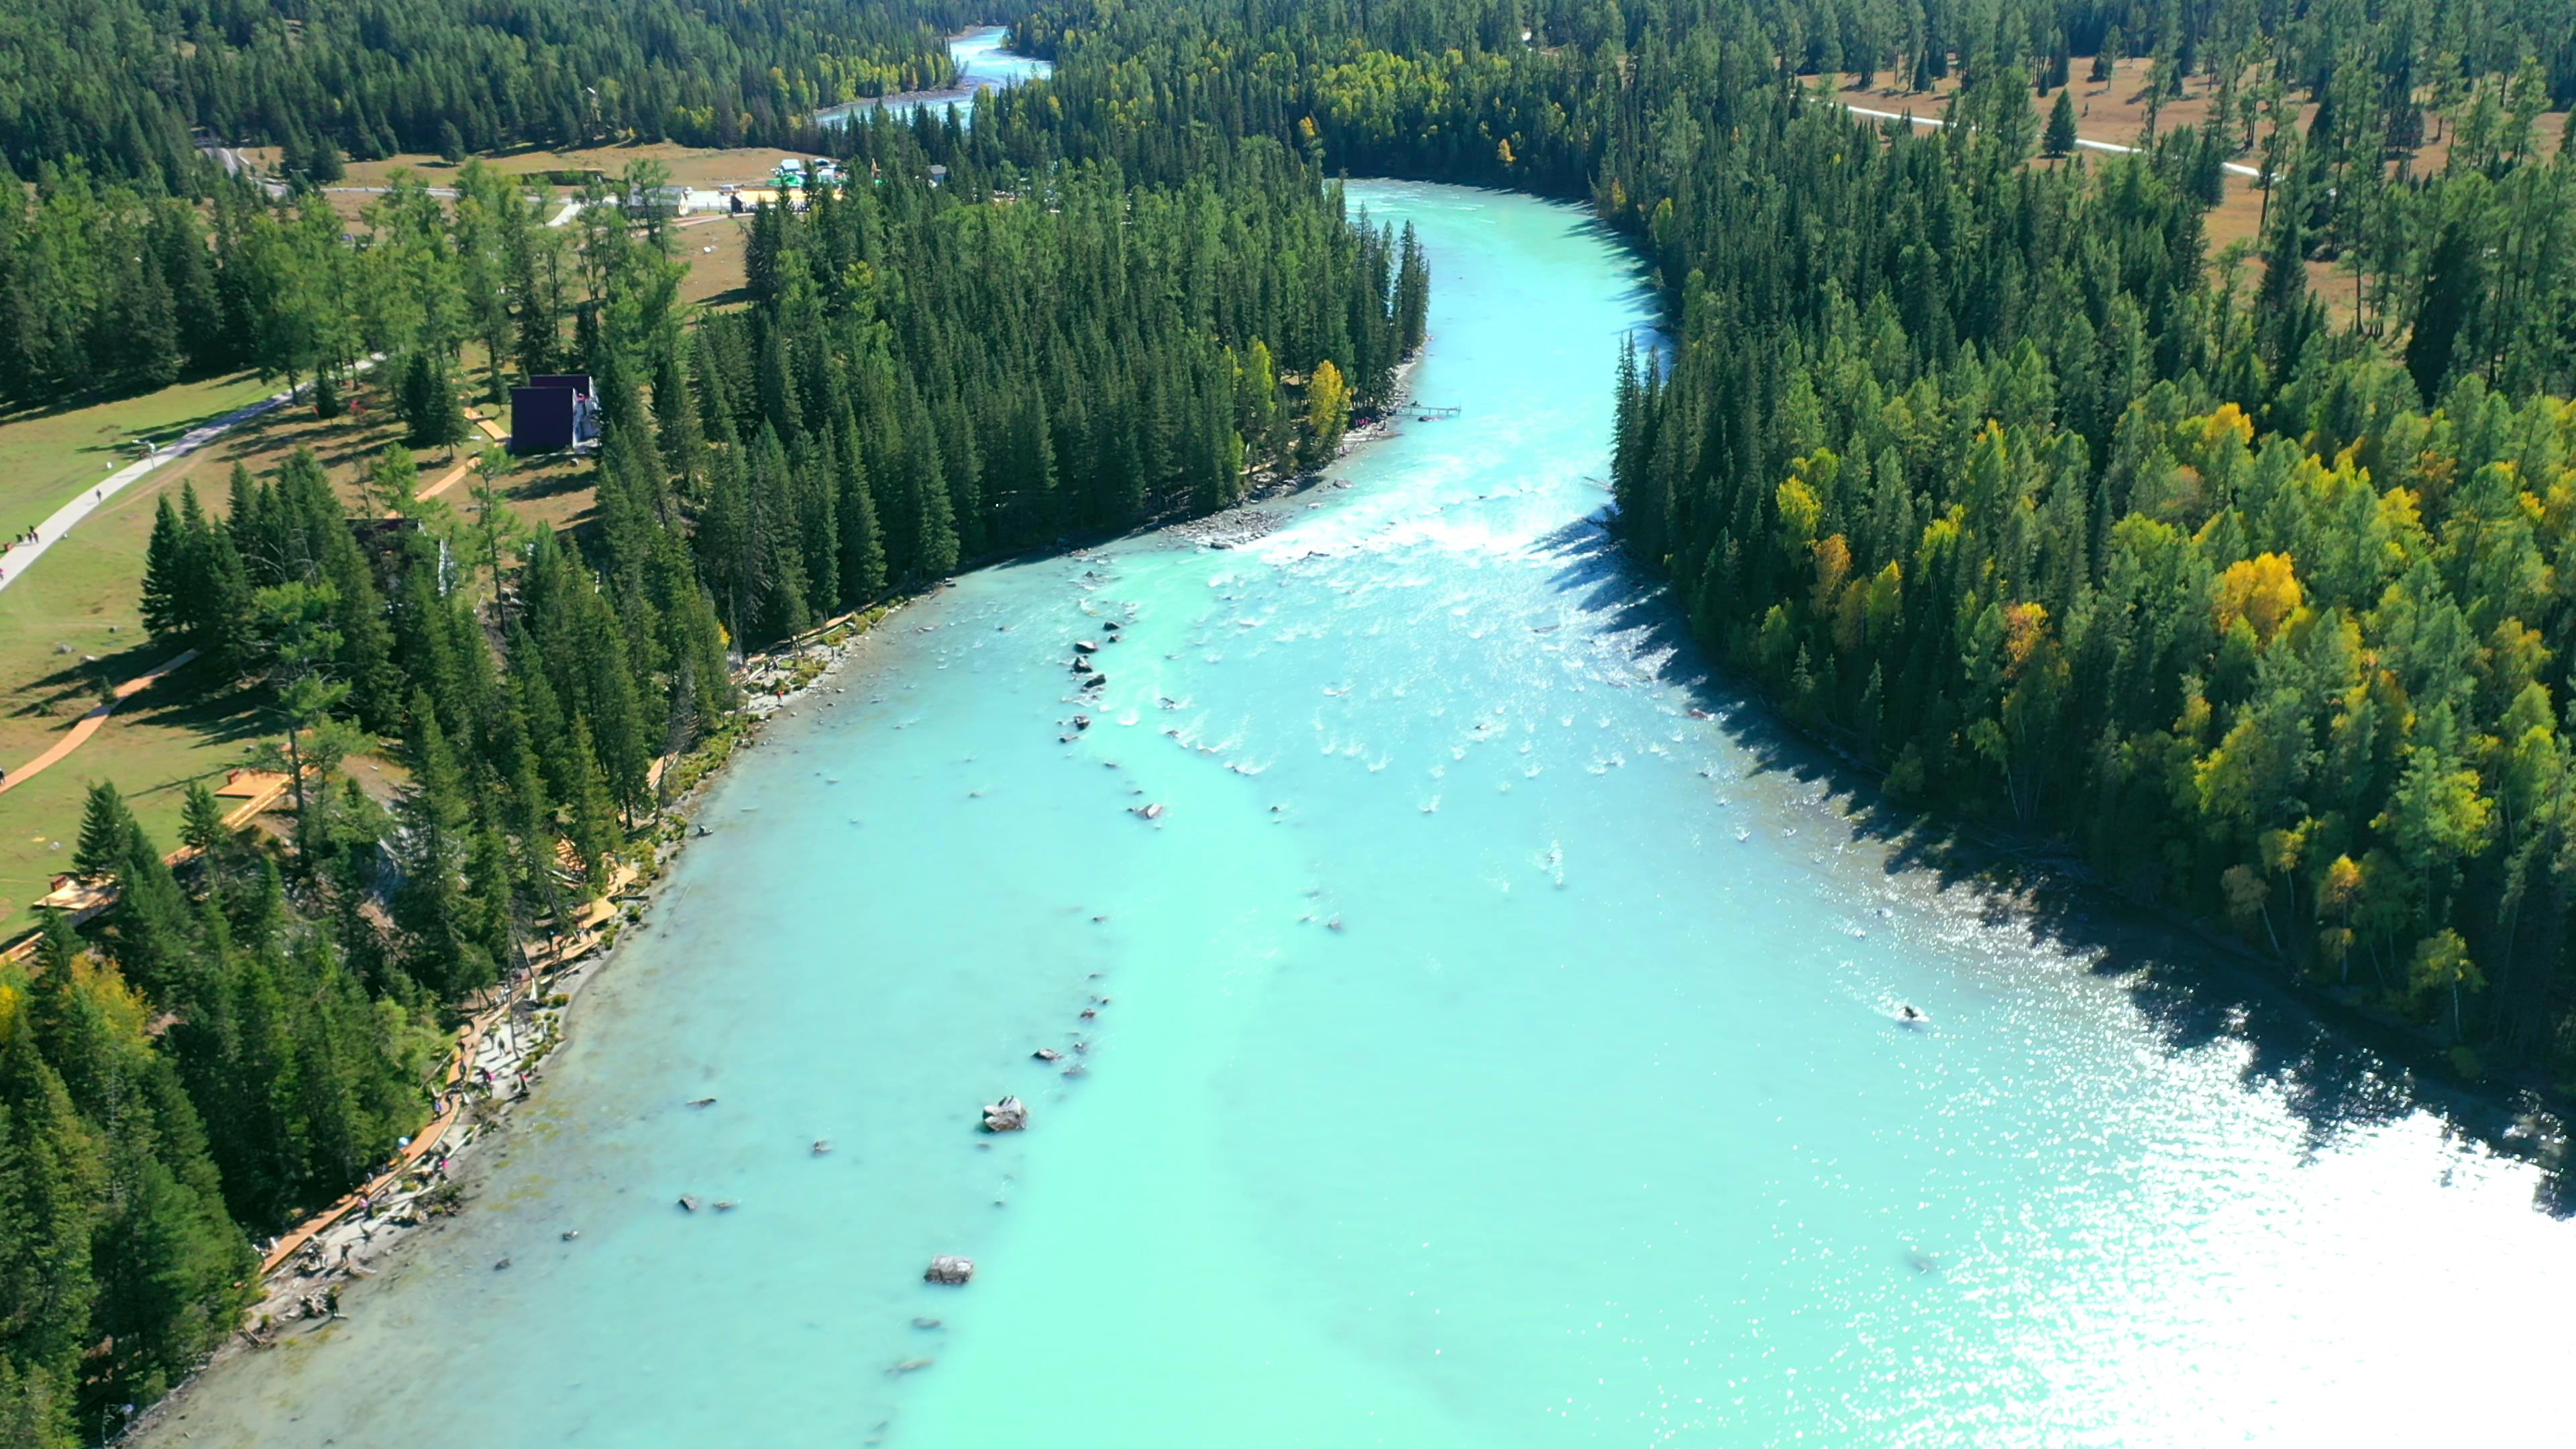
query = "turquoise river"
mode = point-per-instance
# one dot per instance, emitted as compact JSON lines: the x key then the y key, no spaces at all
{"x":982,"y":61}
{"x":1498,"y":1048}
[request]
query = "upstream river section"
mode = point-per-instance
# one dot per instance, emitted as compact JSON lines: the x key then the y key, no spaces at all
{"x":1494,"y":1050}
{"x":982,"y":61}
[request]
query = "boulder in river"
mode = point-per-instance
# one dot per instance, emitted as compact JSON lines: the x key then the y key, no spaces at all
{"x":1047,"y":1054}
{"x":688,"y":1203}
{"x":1150,"y":812}
{"x":1081,"y":665}
{"x":950,"y":1269}
{"x":1095,"y":681}
{"x":1085,"y":646}
{"x":1007,"y":1115}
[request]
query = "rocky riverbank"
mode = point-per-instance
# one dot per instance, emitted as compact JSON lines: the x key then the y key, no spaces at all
{"x":302,"y":1292}
{"x":507,"y":1044}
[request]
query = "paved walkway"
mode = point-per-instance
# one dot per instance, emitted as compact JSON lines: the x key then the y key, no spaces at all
{"x":88,"y":724}
{"x":2237,"y":168}
{"x":20,"y":557}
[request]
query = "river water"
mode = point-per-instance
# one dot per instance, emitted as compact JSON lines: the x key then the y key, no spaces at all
{"x":982,"y":61}
{"x":1495,"y":1050}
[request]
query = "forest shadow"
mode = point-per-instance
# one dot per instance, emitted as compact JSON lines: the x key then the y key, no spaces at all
{"x":72,"y":690}
{"x":216,"y":712}
{"x":2336,"y":1070}
{"x":123,"y":446}
{"x":37,"y":412}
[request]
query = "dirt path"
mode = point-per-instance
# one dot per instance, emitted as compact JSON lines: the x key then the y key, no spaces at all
{"x":88,"y":724}
{"x":491,"y":430}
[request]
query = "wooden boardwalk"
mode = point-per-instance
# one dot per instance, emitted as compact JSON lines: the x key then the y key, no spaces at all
{"x":453,"y":1085}
{"x":88,"y":724}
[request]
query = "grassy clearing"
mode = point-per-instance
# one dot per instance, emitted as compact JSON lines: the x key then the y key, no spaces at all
{"x":556,"y":491}
{"x":48,"y":457}
{"x":718,"y":268}
{"x":690,"y":165}
{"x":75,"y":618}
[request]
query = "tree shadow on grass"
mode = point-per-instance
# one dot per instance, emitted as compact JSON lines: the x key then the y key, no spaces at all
{"x":548,"y":484}
{"x":2337,"y":1070}
{"x":337,"y":443}
{"x":172,"y":432}
{"x":222,"y":714}
{"x":165,"y":431}
{"x":189,"y":700}
{"x":72,"y":689}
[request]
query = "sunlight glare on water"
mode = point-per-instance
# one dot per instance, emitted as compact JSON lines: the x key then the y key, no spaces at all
{"x":1495,"y":1050}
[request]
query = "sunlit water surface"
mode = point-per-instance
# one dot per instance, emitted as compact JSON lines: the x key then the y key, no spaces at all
{"x":982,"y":61}
{"x":1495,"y":1051}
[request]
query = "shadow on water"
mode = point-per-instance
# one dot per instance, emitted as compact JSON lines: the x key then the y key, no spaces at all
{"x":2336,"y":1070}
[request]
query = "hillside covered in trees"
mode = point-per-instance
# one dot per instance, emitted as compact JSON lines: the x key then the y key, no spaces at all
{"x":1975,"y":457}
{"x":1996,"y":477}
{"x":120,"y":85}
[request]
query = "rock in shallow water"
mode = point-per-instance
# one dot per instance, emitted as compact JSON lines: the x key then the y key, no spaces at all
{"x":950,"y":1269}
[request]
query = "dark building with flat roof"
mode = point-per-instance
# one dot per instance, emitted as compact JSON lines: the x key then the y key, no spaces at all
{"x":553,"y":412}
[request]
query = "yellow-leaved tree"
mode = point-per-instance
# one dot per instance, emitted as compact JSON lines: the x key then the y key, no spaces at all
{"x":1328,"y":414}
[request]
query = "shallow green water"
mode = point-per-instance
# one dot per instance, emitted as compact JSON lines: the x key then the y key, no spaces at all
{"x":1588,"y":1124}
